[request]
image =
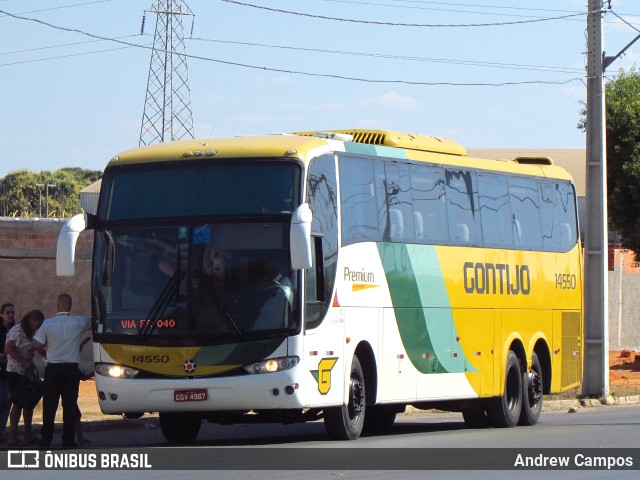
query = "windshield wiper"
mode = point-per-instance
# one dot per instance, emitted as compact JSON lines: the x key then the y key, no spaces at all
{"x":171,"y":288}
{"x":233,"y":326}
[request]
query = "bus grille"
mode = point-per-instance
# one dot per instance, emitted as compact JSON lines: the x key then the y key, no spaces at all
{"x":571,"y":349}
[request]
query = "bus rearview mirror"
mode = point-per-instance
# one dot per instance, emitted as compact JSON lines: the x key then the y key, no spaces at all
{"x":66,"y":251}
{"x":300,"y":237}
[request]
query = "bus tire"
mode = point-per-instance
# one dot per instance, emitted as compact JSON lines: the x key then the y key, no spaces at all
{"x":379,"y":418}
{"x":346,"y":422}
{"x":476,"y":416}
{"x":532,"y":390}
{"x":180,"y":428}
{"x":504,"y":410}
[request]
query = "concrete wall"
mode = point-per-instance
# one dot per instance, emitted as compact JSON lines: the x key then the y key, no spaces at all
{"x":624,"y":310}
{"x":28,"y":268}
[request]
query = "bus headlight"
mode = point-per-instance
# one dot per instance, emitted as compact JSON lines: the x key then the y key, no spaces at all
{"x":272,"y":365}
{"x":116,"y":371}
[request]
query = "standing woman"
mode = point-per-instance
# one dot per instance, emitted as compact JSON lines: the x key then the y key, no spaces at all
{"x":19,"y":348}
{"x":7,"y":320}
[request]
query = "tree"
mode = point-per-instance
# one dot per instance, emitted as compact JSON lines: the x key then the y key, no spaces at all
{"x":21,"y":196}
{"x":623,"y":156}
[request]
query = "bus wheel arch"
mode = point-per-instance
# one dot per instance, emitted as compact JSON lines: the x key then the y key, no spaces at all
{"x":367,"y":359}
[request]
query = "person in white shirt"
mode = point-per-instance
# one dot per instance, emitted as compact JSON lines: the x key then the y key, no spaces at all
{"x":59,"y":339}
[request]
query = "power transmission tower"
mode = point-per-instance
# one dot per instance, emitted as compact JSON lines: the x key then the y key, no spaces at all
{"x":167,"y":112}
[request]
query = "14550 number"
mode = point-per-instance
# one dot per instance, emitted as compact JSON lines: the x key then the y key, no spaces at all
{"x":150,"y":358}
{"x":566,"y":281}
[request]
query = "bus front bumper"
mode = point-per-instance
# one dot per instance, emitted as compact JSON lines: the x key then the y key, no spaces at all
{"x":278,"y":390}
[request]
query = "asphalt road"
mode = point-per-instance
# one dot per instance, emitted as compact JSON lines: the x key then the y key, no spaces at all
{"x":614,"y":427}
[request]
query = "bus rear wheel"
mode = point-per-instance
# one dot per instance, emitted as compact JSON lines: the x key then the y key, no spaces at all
{"x":180,"y":428}
{"x":532,"y":389}
{"x":476,"y":416}
{"x":346,"y":422}
{"x":504,"y":410}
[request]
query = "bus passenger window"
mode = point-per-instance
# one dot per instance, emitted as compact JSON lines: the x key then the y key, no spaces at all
{"x":463,"y":207}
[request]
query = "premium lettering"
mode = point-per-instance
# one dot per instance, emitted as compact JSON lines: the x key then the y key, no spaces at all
{"x":358,"y":276}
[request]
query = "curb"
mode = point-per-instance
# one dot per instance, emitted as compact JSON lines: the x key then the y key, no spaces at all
{"x":573,"y":405}
{"x":570,"y":406}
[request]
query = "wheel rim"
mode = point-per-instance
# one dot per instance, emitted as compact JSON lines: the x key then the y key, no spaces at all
{"x":356,"y":399}
{"x":535,"y":389}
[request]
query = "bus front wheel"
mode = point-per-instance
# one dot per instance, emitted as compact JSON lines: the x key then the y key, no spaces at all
{"x":505,"y":409}
{"x":346,"y":422}
{"x":180,"y":428}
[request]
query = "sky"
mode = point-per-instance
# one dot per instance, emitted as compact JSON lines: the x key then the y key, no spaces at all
{"x":68,"y":99}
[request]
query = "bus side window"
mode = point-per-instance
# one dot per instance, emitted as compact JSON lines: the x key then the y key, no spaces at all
{"x":524,"y":199}
{"x":495,"y":212}
{"x":322,"y":196}
{"x":428,"y":199}
{"x":559,"y":223}
{"x":463,"y":206}
{"x":362,"y":211}
{"x":315,"y":287}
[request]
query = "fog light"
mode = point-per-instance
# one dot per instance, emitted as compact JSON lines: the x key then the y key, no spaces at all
{"x":276,"y":392}
{"x":289,"y":389}
{"x":113,"y":396}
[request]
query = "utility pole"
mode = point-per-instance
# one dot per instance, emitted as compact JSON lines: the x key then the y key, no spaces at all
{"x":167,"y":112}
{"x":596,"y":295}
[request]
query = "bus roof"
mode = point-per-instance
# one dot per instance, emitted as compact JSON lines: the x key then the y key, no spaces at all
{"x":306,"y":145}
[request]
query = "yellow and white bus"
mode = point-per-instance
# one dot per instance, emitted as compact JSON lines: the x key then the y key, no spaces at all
{"x":340,"y":275}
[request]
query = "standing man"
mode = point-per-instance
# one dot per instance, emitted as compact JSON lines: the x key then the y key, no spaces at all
{"x":7,"y":320}
{"x":59,"y":339}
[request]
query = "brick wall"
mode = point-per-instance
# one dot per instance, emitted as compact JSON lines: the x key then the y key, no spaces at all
{"x":28,"y":268}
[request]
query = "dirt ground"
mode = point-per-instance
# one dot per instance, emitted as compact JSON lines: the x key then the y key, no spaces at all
{"x":624,"y":372}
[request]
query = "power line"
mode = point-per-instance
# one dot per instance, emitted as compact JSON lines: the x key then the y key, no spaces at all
{"x":303,"y":73}
{"x":467,"y":5}
{"x":439,"y":9}
{"x":392,"y":24}
{"x":35,"y":60}
{"x":35,"y":49}
{"x":542,"y":68}
{"x":473,"y":63}
{"x":65,"y":6}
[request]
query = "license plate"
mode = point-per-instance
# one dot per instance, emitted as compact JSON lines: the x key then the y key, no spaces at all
{"x":198,"y":395}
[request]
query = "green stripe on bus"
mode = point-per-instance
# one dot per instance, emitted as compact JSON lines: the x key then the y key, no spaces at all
{"x":375,"y":150}
{"x":421,"y":306}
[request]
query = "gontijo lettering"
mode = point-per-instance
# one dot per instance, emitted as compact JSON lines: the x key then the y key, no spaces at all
{"x":498,"y":278}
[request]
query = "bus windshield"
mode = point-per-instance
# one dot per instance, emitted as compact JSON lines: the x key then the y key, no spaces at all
{"x":210,"y":282}
{"x":198,"y":252}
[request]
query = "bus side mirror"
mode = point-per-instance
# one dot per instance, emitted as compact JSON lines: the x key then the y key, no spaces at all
{"x":300,"y":238}
{"x":66,"y":252}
